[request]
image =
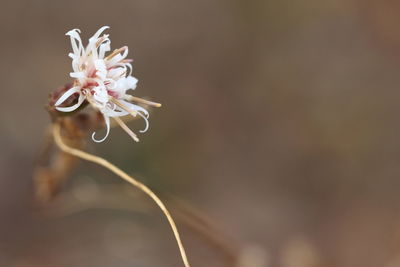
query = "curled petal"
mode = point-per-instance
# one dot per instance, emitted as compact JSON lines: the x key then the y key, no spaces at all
{"x":107,"y":121}
{"x":93,"y":42}
{"x":116,"y":73}
{"x":66,"y":95}
{"x":141,"y":111}
{"x":125,"y":65}
{"x":104,"y":47}
{"x":126,"y":50}
{"x":118,"y":57}
{"x":128,"y":66}
{"x":146,"y":127}
{"x":114,"y":60}
{"x":97,"y":34}
{"x":135,"y":107}
{"x":76,"y":41}
{"x":73,"y":107}
{"x":115,"y":113}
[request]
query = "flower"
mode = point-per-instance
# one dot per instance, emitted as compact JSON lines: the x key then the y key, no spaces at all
{"x":103,"y":80}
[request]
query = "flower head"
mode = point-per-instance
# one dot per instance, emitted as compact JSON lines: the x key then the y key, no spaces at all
{"x":103,"y":81}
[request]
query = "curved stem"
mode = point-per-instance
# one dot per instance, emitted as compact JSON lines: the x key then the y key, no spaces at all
{"x":100,"y":161}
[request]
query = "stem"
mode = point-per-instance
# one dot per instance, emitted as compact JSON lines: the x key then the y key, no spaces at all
{"x":102,"y":162}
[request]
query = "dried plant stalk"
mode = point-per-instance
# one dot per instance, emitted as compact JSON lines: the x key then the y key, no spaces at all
{"x":53,"y":167}
{"x":102,"y":162}
{"x":109,"y":197}
{"x":205,"y":228}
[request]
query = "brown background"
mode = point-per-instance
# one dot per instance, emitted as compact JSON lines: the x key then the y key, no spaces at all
{"x":279,"y":120}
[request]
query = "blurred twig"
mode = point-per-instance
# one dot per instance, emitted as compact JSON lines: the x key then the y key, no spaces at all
{"x":110,"y":197}
{"x":206,"y":228}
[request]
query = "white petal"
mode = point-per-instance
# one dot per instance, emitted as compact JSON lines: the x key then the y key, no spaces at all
{"x":110,"y":84}
{"x":100,"y":82}
{"x":121,"y":84}
{"x":78,"y":74}
{"x":146,"y":121}
{"x":135,"y":107}
{"x":116,"y":73}
{"x":124,"y":84}
{"x":141,"y":111}
{"x":107,"y":121}
{"x":66,"y":95}
{"x":114,"y":60}
{"x":126,"y":50}
{"x":91,"y":50}
{"x":101,"y":68}
{"x":73,"y":56}
{"x":97,"y":34}
{"x":131,"y":82}
{"x":76,"y":41}
{"x":104,"y":47}
{"x":92,"y":46}
{"x":73,"y":107}
{"x":114,"y":111}
{"x":129,"y":66}
{"x":100,"y":95}
{"x":126,"y":66}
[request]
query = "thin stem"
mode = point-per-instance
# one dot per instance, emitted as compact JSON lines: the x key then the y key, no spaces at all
{"x":100,"y":161}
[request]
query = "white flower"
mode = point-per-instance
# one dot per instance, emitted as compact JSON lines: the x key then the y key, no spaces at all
{"x":103,"y":81}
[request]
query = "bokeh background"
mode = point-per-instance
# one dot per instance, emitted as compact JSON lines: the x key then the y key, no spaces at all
{"x":279,"y":123}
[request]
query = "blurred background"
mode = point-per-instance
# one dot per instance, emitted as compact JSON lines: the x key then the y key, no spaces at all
{"x":279,"y":124}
